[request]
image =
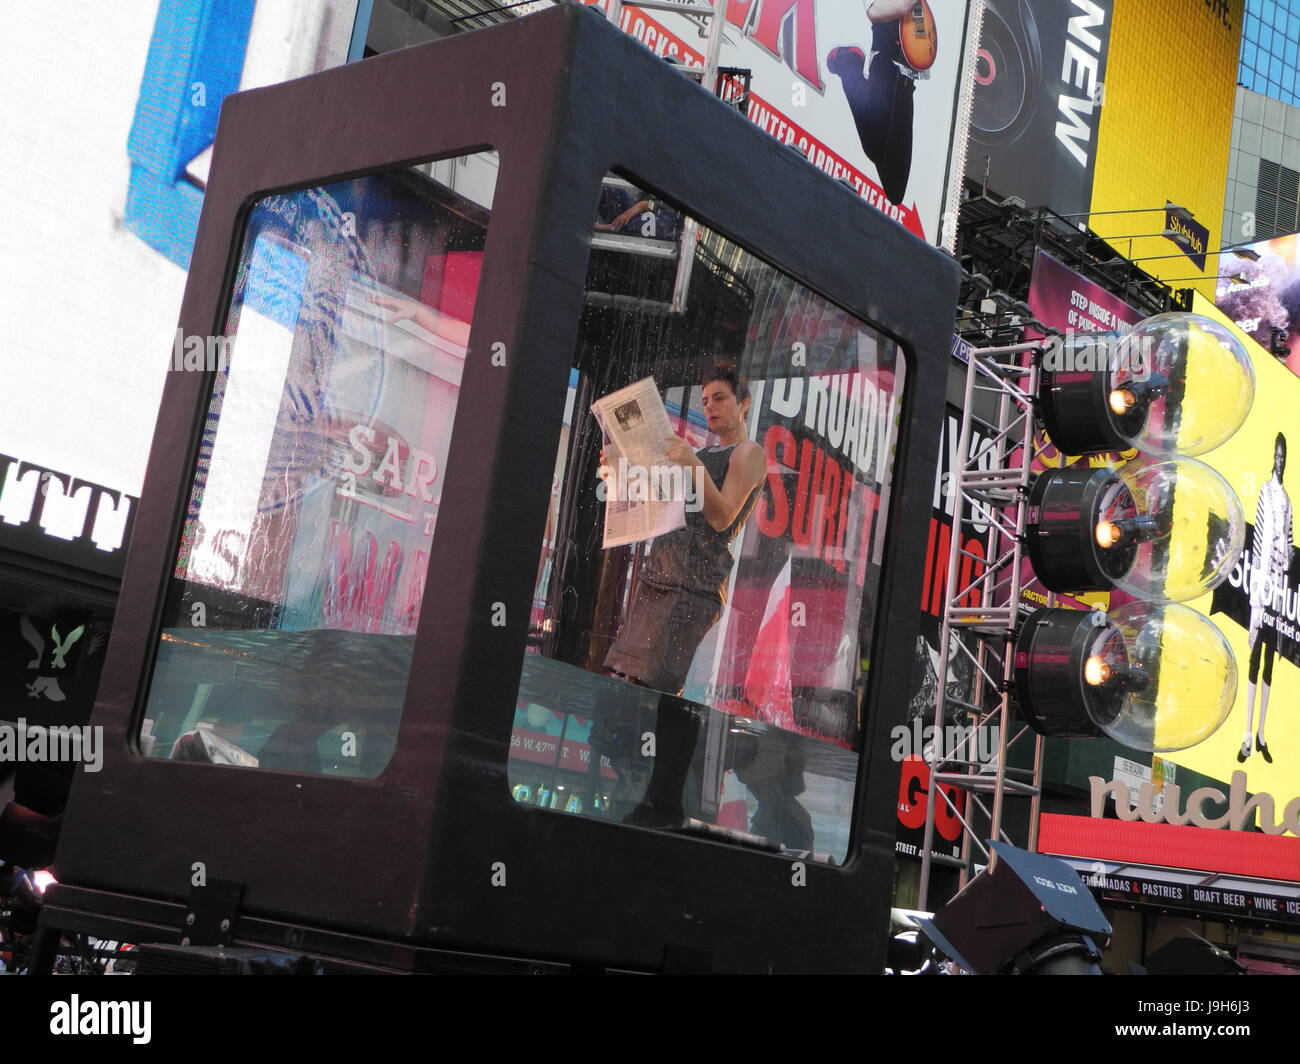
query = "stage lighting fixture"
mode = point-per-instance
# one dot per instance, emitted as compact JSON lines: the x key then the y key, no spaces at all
{"x":1083,"y":675}
{"x":1175,"y":384}
{"x":1160,"y":529}
{"x":1028,"y":914}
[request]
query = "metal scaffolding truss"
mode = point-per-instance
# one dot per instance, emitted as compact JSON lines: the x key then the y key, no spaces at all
{"x":980,"y":617}
{"x":999,"y":240}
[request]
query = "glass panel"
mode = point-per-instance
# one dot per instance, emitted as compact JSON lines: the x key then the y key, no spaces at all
{"x":708,"y":679}
{"x":288,"y":628}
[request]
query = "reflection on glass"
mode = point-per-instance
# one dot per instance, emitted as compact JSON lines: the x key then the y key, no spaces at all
{"x":288,"y":628}
{"x":708,"y":680}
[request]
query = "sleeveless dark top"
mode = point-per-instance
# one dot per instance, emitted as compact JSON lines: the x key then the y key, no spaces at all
{"x":698,"y":558}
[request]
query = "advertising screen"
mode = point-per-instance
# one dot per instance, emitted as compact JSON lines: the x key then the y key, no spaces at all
{"x":1256,"y":606}
{"x":867,"y":92}
{"x":1263,"y":298}
{"x":111,"y":181}
{"x":1236,"y":805}
{"x":1039,"y":76}
{"x":1065,"y":300}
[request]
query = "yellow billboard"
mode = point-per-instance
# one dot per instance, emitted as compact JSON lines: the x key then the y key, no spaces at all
{"x":1166,"y":126}
{"x":1256,"y":607}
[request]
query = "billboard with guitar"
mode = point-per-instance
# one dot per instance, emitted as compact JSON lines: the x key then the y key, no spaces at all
{"x":868,"y":92}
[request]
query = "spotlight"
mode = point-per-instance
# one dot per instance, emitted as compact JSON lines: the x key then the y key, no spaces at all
{"x":1160,"y":529}
{"x":1176,"y":384}
{"x":1278,"y":346}
{"x":1061,"y":661}
{"x":1079,"y":402}
{"x":1163,"y":528}
{"x":1182,"y":525}
{"x":1083,"y":675}
{"x":1096,"y":671}
{"x":1028,"y":914}
{"x":1125,"y":531}
{"x":1076,"y":532}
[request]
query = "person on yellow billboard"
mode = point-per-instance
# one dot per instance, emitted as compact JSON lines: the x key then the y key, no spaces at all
{"x":1270,"y":552}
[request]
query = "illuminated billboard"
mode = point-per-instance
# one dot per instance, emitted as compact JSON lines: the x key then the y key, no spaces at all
{"x":1236,"y":805}
{"x":869,"y":96}
{"x":111,"y":180}
{"x":1165,"y":126}
{"x":1256,"y":607}
{"x":1039,"y":75}
{"x":1263,"y":297}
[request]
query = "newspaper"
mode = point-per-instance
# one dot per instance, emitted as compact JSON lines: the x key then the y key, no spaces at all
{"x":644,"y":495}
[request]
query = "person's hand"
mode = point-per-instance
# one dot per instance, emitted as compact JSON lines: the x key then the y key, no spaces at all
{"x":640,"y":207}
{"x":402,"y":308}
{"x":888,"y":10}
{"x":630,"y":213}
{"x":426,"y":317}
{"x":680,"y":452}
{"x":609,"y":456}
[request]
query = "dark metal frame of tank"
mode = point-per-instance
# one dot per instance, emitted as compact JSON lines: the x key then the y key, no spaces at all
{"x":394,"y":873}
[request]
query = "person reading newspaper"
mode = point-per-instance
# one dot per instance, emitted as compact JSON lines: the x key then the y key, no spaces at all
{"x":682,"y":585}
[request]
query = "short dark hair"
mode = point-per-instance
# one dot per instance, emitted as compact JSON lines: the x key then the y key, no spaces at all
{"x":726,"y":372}
{"x":1280,"y":442}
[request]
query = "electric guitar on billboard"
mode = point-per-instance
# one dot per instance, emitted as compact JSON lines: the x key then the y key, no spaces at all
{"x":919,"y":37}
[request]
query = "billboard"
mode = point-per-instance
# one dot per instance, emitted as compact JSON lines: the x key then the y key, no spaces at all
{"x":112,"y":181}
{"x":1245,"y":820}
{"x":915,"y":772}
{"x":1256,"y":607}
{"x":869,"y":98}
{"x":1263,"y":298}
{"x":1068,"y":301}
{"x":1192,"y":237}
{"x":1070,"y":112}
{"x":1038,"y":93}
{"x":1165,"y":129}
